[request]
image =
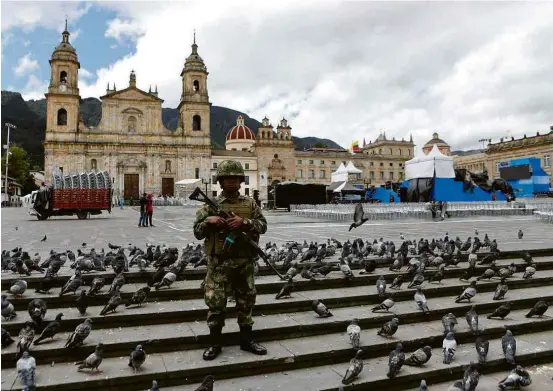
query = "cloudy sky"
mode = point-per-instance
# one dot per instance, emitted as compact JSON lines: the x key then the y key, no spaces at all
{"x":340,"y":70}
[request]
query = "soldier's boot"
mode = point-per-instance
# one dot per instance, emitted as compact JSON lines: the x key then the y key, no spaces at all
{"x":216,"y":338}
{"x":248,"y":344}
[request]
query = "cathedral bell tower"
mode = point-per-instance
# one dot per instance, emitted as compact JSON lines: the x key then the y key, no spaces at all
{"x":194,"y":106}
{"x":62,"y":115}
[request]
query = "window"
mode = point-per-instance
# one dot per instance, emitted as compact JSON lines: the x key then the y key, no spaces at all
{"x":300,"y":174}
{"x":391,"y":176}
{"x":381,"y":175}
{"x":497,"y":166}
{"x":400,"y":176}
{"x":401,"y":164}
{"x":381,"y":164}
{"x":214,"y":193}
{"x":93,"y":165}
{"x":168,"y":166}
{"x":391,"y":164}
{"x":299,"y":161}
{"x":391,"y":152}
{"x":214,"y":165}
{"x":546,"y":161}
{"x":197,"y":173}
{"x":311,"y":174}
{"x":61,"y":169}
{"x":333,"y":162}
{"x":322,"y":162}
{"x":247,"y":166}
{"x":247,"y":180}
{"x":380,"y":151}
{"x":399,"y":152}
{"x":196,"y":86}
{"x":311,"y":162}
{"x":409,"y":152}
{"x":371,"y":164}
{"x":63,"y":77}
{"x":322,"y":174}
{"x":131,"y":124}
{"x":371,"y":175}
{"x":214,"y":179}
{"x":196,"y":122}
{"x":247,"y":191}
{"x":62,"y":117}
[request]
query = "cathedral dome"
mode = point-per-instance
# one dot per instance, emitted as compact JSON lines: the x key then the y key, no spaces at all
{"x":436,"y":140}
{"x":65,"y":51}
{"x":240,"y":131}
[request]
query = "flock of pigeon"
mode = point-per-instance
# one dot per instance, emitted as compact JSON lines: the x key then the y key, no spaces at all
{"x":418,"y":256}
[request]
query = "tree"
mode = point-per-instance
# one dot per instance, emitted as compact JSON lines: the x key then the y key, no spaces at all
{"x":320,"y":144}
{"x":19,"y":168}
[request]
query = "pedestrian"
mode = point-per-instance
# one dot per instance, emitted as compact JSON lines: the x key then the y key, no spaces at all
{"x":443,"y":209}
{"x":149,"y":209}
{"x":433,"y":209}
{"x":230,"y":265}
{"x":121,"y":202}
{"x":143,"y":221}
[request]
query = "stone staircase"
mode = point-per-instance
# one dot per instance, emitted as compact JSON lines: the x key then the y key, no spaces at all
{"x":304,"y":352}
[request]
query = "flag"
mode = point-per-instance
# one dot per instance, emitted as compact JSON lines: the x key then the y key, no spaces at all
{"x":354,"y":147}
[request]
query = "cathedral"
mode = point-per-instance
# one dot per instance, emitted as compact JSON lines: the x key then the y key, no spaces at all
{"x":142,"y":155}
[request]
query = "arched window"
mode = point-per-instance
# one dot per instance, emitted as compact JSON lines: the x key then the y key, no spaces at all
{"x":196,"y":85}
{"x":380,"y":151}
{"x":63,"y":77}
{"x":399,"y":151}
{"x":62,"y":117}
{"x":391,"y":152}
{"x":131,"y":124}
{"x":409,"y":152}
{"x":168,"y":166}
{"x":196,"y":122}
{"x":93,"y":164}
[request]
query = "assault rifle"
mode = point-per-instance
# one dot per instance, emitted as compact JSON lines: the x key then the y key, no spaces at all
{"x":199,"y":195}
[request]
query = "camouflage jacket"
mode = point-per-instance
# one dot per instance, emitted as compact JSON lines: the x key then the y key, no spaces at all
{"x":249,"y":210}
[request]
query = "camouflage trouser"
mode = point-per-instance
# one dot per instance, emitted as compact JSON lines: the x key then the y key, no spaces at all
{"x":224,"y":279}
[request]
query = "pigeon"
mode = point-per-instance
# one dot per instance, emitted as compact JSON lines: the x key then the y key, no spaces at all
{"x":385,"y":305}
{"x":50,"y":330}
{"x":26,"y":367}
{"x":509,"y":345}
{"x":95,"y":287}
{"x":320,"y":309}
{"x":381,"y":286}
{"x":78,"y":336}
{"x":355,"y":366}
{"x":26,"y":336}
{"x":398,"y":281}
{"x":155,"y":387}
{"x":18,"y":287}
{"x":472,"y":319}
{"x":7,"y":340}
{"x":482,"y":346}
{"x":207,"y":384}
{"x":396,"y":359}
{"x":138,"y":297}
{"x":358,"y":217}
{"x":538,"y":309}
{"x":471,"y":377}
{"x":137,"y":358}
{"x":8,"y":311}
{"x":449,"y":347}
{"x":529,"y":272}
{"x":420,"y":299}
{"x":44,"y":238}
{"x":417,"y":280}
{"x":420,"y":357}
{"x":517,"y":379}
{"x":468,"y":293}
{"x":388,"y":329}
{"x":449,"y":321}
{"x":346,"y":270}
{"x":168,"y":279}
{"x":520,"y":234}
{"x":501,"y":312}
{"x":82,"y":303}
{"x":112,"y":304}
{"x":354,"y":333}
{"x":93,"y":361}
{"x":72,"y":284}
{"x":37,"y":310}
{"x":501,"y":290}
{"x":423,"y":386}
{"x":457,"y":386}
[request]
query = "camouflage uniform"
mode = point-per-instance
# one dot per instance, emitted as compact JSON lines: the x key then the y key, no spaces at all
{"x":230,"y":272}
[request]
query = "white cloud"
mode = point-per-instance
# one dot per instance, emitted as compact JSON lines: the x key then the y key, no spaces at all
{"x":118,"y":29}
{"x":29,"y":15}
{"x":26,"y":43}
{"x":25,"y":65}
{"x":74,"y":35}
{"x":85,"y":74}
{"x":113,"y":47}
{"x":7,"y":37}
{"x":35,"y":88}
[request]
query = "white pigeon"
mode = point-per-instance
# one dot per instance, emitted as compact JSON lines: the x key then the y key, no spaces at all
{"x":354,"y":332}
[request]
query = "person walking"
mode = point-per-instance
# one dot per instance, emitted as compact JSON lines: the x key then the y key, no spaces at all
{"x":230,"y":265}
{"x":142,"y":222}
{"x":149,"y":209}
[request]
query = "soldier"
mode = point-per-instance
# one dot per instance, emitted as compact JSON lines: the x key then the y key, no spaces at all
{"x":230,"y":270}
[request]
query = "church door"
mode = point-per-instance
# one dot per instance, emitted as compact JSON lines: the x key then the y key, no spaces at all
{"x":168,"y":187}
{"x":131,"y":186}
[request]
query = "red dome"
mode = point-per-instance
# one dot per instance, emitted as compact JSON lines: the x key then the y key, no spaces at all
{"x":240,"y":131}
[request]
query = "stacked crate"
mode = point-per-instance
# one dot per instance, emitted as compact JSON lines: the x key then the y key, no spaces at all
{"x":81,"y":190}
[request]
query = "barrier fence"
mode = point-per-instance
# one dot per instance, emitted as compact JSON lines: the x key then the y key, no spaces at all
{"x":541,"y":208}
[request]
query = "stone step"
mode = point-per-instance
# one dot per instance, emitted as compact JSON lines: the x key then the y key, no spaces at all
{"x":194,"y":334}
{"x":190,"y":289}
{"x":186,"y":367}
{"x":193,"y":309}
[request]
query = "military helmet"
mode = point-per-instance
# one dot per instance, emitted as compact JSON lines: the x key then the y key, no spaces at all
{"x":230,"y":168}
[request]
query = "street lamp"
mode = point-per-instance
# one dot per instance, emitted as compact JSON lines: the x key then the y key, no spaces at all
{"x":9,"y":126}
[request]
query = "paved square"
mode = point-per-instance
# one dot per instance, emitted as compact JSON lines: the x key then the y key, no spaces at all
{"x":173,"y":227}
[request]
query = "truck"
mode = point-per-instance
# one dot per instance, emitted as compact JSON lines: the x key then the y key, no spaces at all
{"x":82,"y":194}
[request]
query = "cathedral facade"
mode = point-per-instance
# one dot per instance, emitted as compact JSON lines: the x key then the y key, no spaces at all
{"x":142,"y":155}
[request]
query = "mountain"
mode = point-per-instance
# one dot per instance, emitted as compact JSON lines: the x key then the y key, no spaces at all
{"x":30,"y":119}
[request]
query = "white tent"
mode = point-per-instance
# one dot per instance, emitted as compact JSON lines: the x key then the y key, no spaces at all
{"x":184,"y":182}
{"x":424,"y":166}
{"x":341,"y":174}
{"x":351,"y":169}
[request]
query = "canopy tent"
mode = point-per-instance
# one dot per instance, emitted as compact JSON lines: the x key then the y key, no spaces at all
{"x":427,"y":166}
{"x":351,"y":169}
{"x":184,"y":182}
{"x":341,"y":187}
{"x":342,"y":173}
